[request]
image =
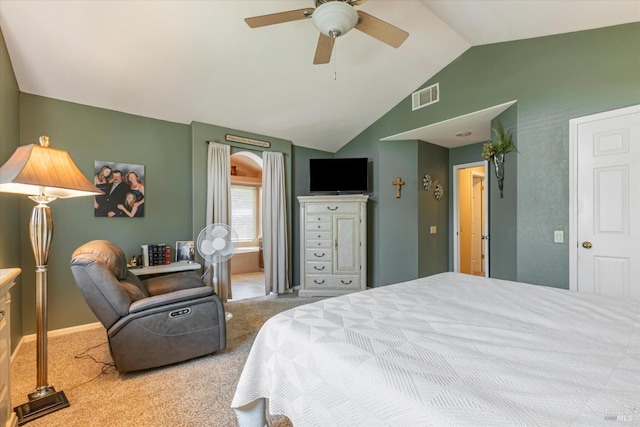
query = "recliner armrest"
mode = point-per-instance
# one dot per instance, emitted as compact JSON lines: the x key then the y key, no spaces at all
{"x":173,"y":282}
{"x":172,"y":297}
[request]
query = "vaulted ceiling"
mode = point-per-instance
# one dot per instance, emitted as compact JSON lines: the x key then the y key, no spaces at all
{"x":185,"y":61}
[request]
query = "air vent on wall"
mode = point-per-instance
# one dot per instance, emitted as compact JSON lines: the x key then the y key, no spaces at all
{"x":426,"y":96}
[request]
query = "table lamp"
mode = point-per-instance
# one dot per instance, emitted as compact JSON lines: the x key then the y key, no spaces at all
{"x":44,"y":174}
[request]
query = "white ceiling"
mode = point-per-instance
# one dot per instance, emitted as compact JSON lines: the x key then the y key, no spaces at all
{"x":457,"y":131}
{"x":185,"y":61}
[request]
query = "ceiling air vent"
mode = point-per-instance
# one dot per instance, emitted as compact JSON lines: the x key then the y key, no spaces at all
{"x":426,"y":96}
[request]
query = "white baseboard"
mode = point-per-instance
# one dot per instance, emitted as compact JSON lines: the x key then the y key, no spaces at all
{"x":55,"y":333}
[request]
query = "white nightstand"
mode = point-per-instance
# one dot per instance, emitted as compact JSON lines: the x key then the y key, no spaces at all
{"x":8,"y":418}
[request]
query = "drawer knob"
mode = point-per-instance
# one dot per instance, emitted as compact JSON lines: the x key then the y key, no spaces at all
{"x":332,"y":209}
{"x":315,"y":267}
{"x":319,"y":256}
{"x":321,"y":282}
{"x":346,"y":283}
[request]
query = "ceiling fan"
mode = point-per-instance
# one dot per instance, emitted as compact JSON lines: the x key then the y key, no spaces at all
{"x":334,"y":18}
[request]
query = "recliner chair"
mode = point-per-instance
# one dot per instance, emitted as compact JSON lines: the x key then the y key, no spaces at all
{"x":152,"y":322}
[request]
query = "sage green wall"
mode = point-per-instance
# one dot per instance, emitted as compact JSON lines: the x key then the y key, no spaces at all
{"x":400,"y":246}
{"x":360,"y":147}
{"x":300,"y":185}
{"x":200,"y":134}
{"x":503,"y":212}
{"x":432,"y":256}
{"x":398,"y":216}
{"x":90,"y":134}
{"x":503,"y":248}
{"x":10,"y":203}
{"x":553,"y":79}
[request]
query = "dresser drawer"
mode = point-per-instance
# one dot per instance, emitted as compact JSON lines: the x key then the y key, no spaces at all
{"x":315,"y":267}
{"x":319,"y":281}
{"x":313,"y":244}
{"x":319,"y":255}
{"x":346,"y":282}
{"x":332,"y":208}
{"x":319,"y":226}
{"x":318,"y":217}
{"x":319,"y":235}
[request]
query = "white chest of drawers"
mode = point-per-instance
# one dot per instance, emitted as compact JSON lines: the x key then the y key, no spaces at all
{"x":333,"y":244}
{"x":8,"y":418}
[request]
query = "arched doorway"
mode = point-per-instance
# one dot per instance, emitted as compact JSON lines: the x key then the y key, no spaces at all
{"x":247,"y":268}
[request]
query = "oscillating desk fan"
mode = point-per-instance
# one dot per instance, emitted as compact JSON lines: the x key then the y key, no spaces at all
{"x":216,"y":244}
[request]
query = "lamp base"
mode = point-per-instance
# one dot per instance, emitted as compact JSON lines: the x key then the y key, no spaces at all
{"x":39,"y":405}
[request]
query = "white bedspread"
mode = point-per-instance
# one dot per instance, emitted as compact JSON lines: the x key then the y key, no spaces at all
{"x":450,"y":350}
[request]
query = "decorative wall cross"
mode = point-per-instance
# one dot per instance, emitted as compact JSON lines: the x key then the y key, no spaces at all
{"x":398,"y":183}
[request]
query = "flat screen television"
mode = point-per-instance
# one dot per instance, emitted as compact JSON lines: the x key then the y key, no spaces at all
{"x":338,"y":175}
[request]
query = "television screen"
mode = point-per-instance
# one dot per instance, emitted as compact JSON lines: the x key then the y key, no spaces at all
{"x":338,"y":175}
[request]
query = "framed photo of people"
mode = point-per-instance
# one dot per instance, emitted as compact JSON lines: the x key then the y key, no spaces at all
{"x":185,"y":251}
{"x":123,"y":187}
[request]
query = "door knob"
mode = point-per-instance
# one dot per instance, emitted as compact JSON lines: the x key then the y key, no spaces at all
{"x":586,"y":245}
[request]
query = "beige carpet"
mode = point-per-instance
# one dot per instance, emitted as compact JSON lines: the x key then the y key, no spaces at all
{"x":192,"y":393}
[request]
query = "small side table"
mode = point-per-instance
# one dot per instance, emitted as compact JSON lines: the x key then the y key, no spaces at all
{"x":165,"y":268}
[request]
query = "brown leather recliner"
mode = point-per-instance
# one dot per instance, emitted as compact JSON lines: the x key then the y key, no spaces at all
{"x":152,"y":322}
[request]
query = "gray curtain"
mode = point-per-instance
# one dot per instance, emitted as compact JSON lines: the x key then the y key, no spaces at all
{"x":274,"y":223}
{"x":219,"y":211}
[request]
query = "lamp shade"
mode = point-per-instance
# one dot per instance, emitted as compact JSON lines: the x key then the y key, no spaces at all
{"x":38,"y":169}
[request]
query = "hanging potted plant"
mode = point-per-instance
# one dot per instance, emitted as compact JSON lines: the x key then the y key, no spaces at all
{"x":495,"y":151}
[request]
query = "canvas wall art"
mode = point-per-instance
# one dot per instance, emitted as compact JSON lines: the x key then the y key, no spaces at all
{"x":123,"y":187}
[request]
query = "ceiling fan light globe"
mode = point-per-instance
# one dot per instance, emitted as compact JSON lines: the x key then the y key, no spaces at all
{"x":335,"y":18}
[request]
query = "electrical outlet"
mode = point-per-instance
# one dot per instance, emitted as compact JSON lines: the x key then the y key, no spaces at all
{"x":558,"y":236}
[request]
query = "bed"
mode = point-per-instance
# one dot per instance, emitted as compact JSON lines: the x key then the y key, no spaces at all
{"x":447,"y":350}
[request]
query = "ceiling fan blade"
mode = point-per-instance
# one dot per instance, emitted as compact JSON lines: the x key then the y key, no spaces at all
{"x":381,"y":30}
{"x":323,"y":50}
{"x":278,"y":18}
{"x":357,"y":2}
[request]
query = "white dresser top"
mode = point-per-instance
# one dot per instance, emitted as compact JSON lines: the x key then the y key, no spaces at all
{"x":7,"y":275}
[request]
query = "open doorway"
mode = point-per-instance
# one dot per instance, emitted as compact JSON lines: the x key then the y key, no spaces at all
{"x":470,"y":238}
{"x":247,"y":265}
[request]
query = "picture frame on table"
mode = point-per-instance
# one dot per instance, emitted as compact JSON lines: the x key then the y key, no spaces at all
{"x":185,"y":251}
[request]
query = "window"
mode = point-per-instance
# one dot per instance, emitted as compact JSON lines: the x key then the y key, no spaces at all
{"x":245,"y":213}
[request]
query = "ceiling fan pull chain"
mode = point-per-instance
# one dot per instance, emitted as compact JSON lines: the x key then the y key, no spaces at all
{"x":335,"y":58}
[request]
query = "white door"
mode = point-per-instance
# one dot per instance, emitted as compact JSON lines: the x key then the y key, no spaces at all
{"x":471,"y":219}
{"x":607,"y":203}
{"x":346,"y":242}
{"x":477,"y":224}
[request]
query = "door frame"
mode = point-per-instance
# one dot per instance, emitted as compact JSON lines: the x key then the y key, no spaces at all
{"x":573,"y":183}
{"x":454,"y":229}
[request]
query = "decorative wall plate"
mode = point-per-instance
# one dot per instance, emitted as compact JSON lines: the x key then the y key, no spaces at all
{"x":438,"y":192}
{"x":426,"y":182}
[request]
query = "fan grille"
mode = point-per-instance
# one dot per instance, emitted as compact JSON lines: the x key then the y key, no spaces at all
{"x":217,"y":242}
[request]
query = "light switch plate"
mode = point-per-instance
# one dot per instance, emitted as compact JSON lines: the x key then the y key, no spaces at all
{"x":433,"y":229}
{"x":558,"y":236}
